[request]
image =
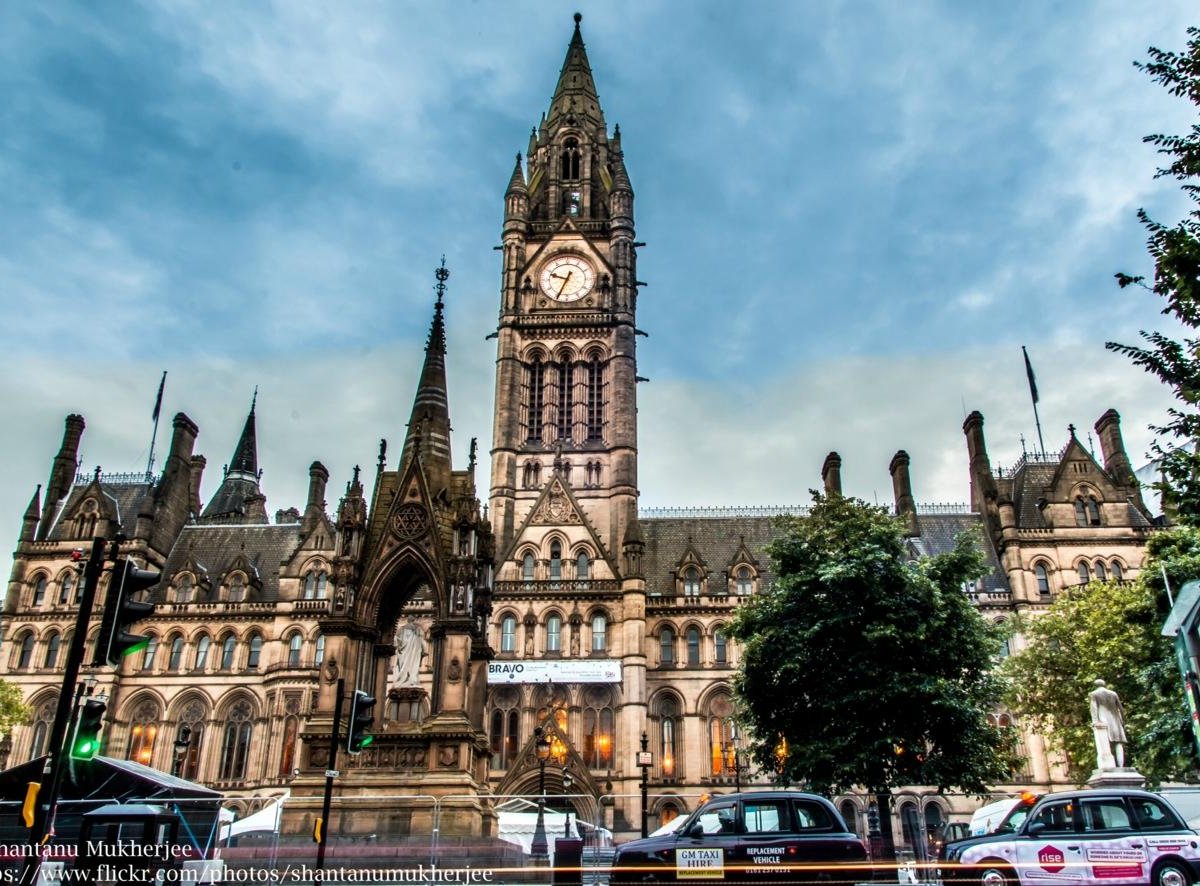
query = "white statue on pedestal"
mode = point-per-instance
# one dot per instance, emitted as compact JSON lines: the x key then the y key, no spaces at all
{"x":1108,"y":727}
{"x":410,"y":646}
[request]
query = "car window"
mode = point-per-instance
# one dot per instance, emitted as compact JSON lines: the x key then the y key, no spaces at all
{"x":1108,"y":814}
{"x":719,"y":819}
{"x":811,"y":816}
{"x":1153,"y":815}
{"x":1057,"y":818}
{"x":765,"y":816}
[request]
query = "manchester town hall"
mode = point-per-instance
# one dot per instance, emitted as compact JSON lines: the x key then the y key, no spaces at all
{"x":543,"y":606}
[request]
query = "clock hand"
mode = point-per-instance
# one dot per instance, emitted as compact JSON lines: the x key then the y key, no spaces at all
{"x":560,"y":276}
{"x":566,"y":280}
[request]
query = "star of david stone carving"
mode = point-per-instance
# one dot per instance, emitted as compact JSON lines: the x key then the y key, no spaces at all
{"x":410,"y":520}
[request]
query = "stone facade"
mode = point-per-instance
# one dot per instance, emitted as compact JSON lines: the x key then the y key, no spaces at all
{"x":410,"y":593}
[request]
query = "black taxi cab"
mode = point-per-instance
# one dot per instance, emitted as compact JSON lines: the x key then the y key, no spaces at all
{"x":1113,"y":836}
{"x":754,"y":837}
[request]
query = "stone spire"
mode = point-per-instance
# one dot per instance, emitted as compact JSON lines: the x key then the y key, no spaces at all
{"x":32,"y":514}
{"x":575,"y":95}
{"x":429,"y":426}
{"x":239,"y":499}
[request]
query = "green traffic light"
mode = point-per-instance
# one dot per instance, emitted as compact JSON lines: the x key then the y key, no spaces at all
{"x":86,"y":749}
{"x":366,"y":740}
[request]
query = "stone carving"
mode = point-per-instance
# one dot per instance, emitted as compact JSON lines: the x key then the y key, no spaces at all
{"x":410,"y":520}
{"x":332,"y":672}
{"x":448,"y":756}
{"x":1108,"y":727}
{"x":555,"y":509}
{"x":454,"y":672}
{"x":410,"y":647}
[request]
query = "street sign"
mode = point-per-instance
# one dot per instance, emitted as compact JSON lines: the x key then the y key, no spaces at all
{"x":332,"y":773}
{"x":645,"y":758}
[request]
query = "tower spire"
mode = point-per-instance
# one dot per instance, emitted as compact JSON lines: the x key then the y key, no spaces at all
{"x":239,"y":498}
{"x":575,"y":94}
{"x":429,"y":425}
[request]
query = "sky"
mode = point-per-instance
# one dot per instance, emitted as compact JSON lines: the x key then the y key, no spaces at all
{"x":855,"y":213}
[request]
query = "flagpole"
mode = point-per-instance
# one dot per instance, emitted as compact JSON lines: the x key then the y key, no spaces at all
{"x":1033,"y":394}
{"x":154,"y":435}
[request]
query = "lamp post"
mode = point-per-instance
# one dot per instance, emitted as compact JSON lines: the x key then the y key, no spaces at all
{"x":567,"y":781}
{"x":540,"y":849}
{"x":182,"y":743}
{"x":645,"y":760}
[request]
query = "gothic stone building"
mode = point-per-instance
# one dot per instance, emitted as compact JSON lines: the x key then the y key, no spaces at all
{"x":566,"y":610}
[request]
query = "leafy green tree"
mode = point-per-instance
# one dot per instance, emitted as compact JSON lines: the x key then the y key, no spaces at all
{"x":13,"y":710}
{"x":1176,"y":253}
{"x":1110,"y":631}
{"x":876,"y":670}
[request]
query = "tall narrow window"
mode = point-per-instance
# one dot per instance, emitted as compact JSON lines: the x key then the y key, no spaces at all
{"x":535,"y":380}
{"x":595,"y":401}
{"x":1093,"y":511}
{"x":319,"y":658}
{"x":184,"y":590}
{"x":1084,"y":573}
{"x":294,"y":647}
{"x":528,"y":565}
{"x":310,"y":586}
{"x":566,"y":396}
{"x":1101,"y":572}
{"x":693,"y":647}
{"x":52,"y":647}
{"x":25,"y":653}
{"x":666,"y":647}
{"x":598,"y":728}
{"x":691,"y":582}
{"x":256,"y":645}
{"x":1117,"y":572}
{"x":583,"y":567}
{"x":745,"y":582}
{"x":287,"y":760}
{"x":554,"y":633}
{"x":191,"y":730}
{"x":599,"y":633}
{"x":569,"y":169}
{"x":202,"y":652}
{"x":150,"y":653}
{"x":1080,"y":512}
{"x":39,"y":591}
{"x":720,"y":647}
{"x":235,"y":749}
{"x":175,"y":661}
{"x":237,"y":588}
{"x":64,"y":593}
{"x":508,"y":634}
{"x":228,"y":650}
{"x":668,"y":712}
{"x":144,"y":717}
{"x":1043,"y":579}
{"x":555,"y":561}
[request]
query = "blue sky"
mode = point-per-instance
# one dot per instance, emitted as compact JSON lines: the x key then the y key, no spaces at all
{"x":856,"y":213}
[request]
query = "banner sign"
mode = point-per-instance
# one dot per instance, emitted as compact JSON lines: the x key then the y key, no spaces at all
{"x":585,"y":670}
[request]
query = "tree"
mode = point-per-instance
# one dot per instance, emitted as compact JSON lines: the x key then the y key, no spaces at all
{"x":1176,"y":254}
{"x":875,"y":669}
{"x":1110,"y":630}
{"x":13,"y":710}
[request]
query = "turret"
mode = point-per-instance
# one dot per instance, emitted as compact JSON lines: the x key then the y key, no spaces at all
{"x":239,"y":495}
{"x":983,"y":484}
{"x":30,"y":520}
{"x":516,"y":198}
{"x":62,"y":473}
{"x":906,"y":507}
{"x":831,"y":474}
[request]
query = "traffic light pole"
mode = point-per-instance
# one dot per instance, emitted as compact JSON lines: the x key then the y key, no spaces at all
{"x":62,"y":715}
{"x":329,"y":773}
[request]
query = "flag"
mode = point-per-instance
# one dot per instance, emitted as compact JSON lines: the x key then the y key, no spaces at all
{"x":1029,"y":372}
{"x":158,"y":400}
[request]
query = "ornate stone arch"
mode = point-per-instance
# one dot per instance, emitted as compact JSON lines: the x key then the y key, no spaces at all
{"x":401,"y":577}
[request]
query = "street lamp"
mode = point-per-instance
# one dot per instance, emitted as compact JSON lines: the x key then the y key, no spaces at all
{"x":540,"y":848}
{"x":181,"y":748}
{"x":645,"y":760}
{"x":567,"y":782}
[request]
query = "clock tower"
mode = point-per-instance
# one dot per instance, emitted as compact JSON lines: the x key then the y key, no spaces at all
{"x":564,"y":456}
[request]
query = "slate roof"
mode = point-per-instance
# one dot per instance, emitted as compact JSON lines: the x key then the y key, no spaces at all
{"x":938,"y":532}
{"x":715,"y":539}
{"x":126,"y":496}
{"x":216,"y":547}
{"x":1028,"y":487}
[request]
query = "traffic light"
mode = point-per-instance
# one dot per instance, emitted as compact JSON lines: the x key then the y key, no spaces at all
{"x":121,"y":611}
{"x":86,"y":742}
{"x":361,"y":719}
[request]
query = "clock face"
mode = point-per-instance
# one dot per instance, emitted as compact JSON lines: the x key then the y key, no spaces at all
{"x":567,"y":278}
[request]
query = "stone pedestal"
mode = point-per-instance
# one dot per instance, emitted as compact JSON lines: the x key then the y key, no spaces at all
{"x":1125,"y":777}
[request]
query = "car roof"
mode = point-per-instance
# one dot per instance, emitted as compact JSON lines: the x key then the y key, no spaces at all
{"x":1098,"y":792}
{"x":774,"y":793}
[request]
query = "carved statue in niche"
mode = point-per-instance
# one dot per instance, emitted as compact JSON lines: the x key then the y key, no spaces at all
{"x":410,"y":648}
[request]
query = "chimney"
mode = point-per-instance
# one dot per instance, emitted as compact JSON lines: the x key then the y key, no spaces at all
{"x":906,"y":507}
{"x":183,"y":439}
{"x":196,"y":466}
{"x":62,"y":473}
{"x":318,"y":476}
{"x":1116,"y":461}
{"x":983,"y":484}
{"x":831,"y":474}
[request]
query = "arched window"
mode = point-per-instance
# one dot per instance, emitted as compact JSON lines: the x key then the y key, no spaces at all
{"x":1118,"y":573}
{"x":667,"y":813}
{"x":237,"y":588}
{"x":583,"y":567}
{"x":555,"y":561}
{"x":1084,"y":574}
{"x":144,"y":719}
{"x":287,"y":759}
{"x":1101,"y":572}
{"x":598,"y":727}
{"x":721,"y":731}
{"x":25,"y":651}
{"x":528,"y":565}
{"x":505,"y":727}
{"x":1093,"y":510}
{"x":908,"y":821}
{"x":43,"y":718}
{"x":314,"y":585}
{"x":693,"y":647}
{"x":255,"y":653}
{"x":202,"y":646}
{"x":294,"y":646}
{"x":39,"y":591}
{"x":599,"y":633}
{"x":191,"y":728}
{"x":666,"y":647}
{"x":175,"y":661}
{"x":595,"y":401}
{"x":508,"y":634}
{"x":745,"y":582}
{"x":1005,"y":643}
{"x":235,"y":749}
{"x":185,"y":589}
{"x":1043,"y":579}
{"x":64,"y":588}
{"x":228,"y":650}
{"x":720,"y":647}
{"x":569,"y":168}
{"x":1081,"y":518}
{"x":319,"y":657}
{"x":149,"y":654}
{"x":53,"y":644}
{"x":535,"y":399}
{"x":668,"y":729}
{"x":554,"y":633}
{"x":691,"y":582}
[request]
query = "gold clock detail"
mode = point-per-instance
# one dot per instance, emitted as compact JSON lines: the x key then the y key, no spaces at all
{"x":567,"y":278}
